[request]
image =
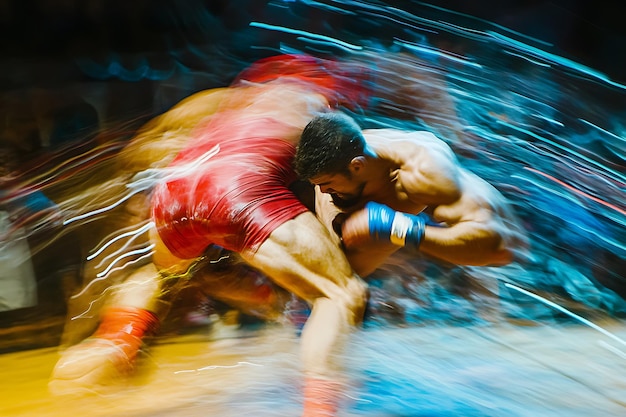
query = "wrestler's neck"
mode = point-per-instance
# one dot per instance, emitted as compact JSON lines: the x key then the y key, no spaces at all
{"x":380,"y":179}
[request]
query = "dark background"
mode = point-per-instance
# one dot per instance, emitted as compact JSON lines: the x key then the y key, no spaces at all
{"x":52,"y":43}
{"x":134,"y":59}
{"x":591,"y":32}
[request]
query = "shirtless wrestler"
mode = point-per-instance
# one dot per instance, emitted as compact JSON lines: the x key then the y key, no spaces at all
{"x":375,"y":187}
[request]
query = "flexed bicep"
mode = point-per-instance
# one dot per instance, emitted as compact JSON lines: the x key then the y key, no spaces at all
{"x":469,"y":231}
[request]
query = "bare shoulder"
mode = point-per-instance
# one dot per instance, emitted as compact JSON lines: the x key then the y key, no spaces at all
{"x":402,"y":145}
{"x":397,"y":134}
{"x":203,"y":97}
{"x":428,"y":171}
{"x":158,"y":141}
{"x":196,"y":106}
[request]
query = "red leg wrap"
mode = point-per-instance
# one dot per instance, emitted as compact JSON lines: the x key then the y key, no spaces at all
{"x":321,"y":397}
{"x":126,"y":327}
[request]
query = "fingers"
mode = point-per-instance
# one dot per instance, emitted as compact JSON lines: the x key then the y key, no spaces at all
{"x":355,"y":229}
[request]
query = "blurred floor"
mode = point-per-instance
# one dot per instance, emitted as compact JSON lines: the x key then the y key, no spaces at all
{"x":500,"y":370}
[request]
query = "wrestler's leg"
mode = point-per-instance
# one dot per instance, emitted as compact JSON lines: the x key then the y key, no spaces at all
{"x":223,"y":276}
{"x":301,"y":256}
{"x":132,"y":313}
{"x":140,"y":302}
{"x":153,"y":146}
{"x":117,"y":232}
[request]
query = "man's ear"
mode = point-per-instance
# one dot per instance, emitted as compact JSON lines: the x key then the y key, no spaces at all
{"x":357,"y":164}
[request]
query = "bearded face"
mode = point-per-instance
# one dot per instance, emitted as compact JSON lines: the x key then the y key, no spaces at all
{"x":346,"y":200}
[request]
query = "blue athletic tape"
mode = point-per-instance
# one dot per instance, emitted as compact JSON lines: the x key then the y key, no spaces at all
{"x":399,"y":228}
{"x":380,"y":218}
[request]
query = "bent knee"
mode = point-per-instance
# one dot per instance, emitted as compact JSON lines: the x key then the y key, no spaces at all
{"x":354,"y":300}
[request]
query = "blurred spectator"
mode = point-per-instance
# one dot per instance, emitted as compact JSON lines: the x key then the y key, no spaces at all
{"x":18,"y":288}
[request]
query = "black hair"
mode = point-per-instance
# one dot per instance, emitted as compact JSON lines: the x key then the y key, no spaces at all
{"x":327,"y":145}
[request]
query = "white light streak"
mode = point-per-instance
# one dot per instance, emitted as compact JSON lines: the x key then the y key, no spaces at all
{"x":566,"y":311}
{"x":98,"y":211}
{"x":134,"y":233}
{"x":211,"y":367}
{"x":612,"y":348}
{"x":125,"y":255}
{"x":134,"y":261}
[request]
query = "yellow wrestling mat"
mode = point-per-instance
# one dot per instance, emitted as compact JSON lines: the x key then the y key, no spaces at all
{"x":445,"y":371}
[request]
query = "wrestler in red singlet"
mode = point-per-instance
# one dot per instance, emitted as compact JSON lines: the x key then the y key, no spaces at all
{"x":230,"y":185}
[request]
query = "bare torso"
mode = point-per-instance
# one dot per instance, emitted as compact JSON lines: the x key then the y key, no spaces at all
{"x":420,"y":173}
{"x":453,"y":193}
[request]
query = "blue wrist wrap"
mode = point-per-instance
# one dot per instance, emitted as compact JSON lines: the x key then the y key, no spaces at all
{"x":401,"y":229}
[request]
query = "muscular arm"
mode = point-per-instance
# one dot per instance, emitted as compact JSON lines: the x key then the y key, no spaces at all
{"x":467,"y":208}
{"x":474,"y":225}
{"x":472,"y":233}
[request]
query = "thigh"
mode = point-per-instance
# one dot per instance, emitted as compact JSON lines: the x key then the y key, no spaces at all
{"x":153,"y":286}
{"x":301,"y":256}
{"x":164,"y":260}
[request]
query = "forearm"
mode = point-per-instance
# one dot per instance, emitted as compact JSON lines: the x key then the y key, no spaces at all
{"x":468,"y":243}
{"x":464,"y":243}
